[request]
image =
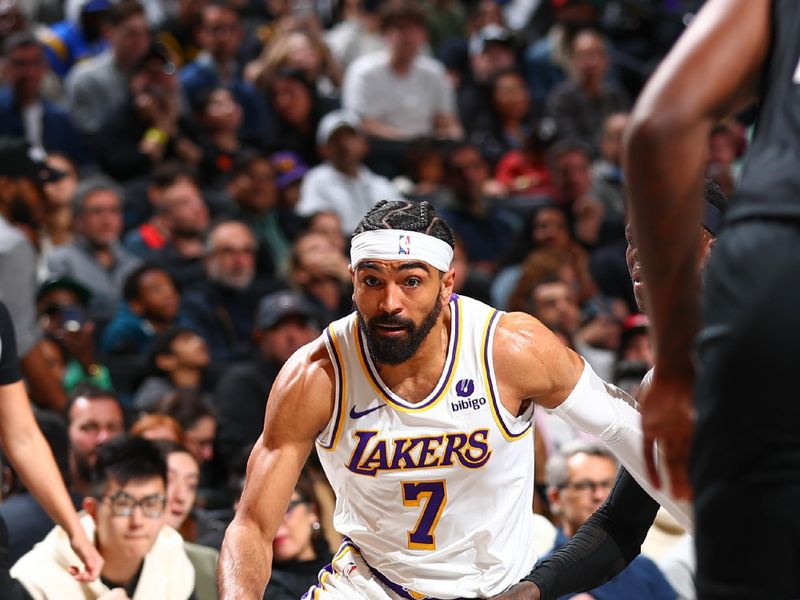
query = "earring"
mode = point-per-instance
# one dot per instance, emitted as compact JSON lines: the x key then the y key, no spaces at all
{"x":316,"y":526}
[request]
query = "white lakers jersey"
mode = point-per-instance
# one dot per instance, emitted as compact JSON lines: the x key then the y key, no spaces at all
{"x":437,"y":495}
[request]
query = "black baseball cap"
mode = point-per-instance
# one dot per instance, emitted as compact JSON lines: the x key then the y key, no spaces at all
{"x":64,"y":283}
{"x":275,"y":307}
{"x":19,"y":159}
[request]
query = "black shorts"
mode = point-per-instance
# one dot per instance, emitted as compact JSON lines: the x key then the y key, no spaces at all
{"x":745,"y":467}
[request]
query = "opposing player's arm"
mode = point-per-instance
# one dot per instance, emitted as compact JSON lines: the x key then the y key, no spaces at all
{"x":713,"y":70}
{"x":299,"y":407}
{"x":609,"y":540}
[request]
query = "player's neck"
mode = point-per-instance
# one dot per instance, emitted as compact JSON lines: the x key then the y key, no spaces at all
{"x":416,"y":378}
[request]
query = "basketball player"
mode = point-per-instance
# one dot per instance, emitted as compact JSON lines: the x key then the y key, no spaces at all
{"x":420,"y":405}
{"x":612,"y":537}
{"x":745,"y":448}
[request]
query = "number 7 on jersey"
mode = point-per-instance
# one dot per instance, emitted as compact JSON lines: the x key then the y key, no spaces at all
{"x":435,"y":494}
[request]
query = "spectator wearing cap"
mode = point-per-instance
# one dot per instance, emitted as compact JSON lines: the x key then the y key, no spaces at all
{"x":24,"y":111}
{"x":148,"y":128}
{"x":400,"y":95}
{"x":96,"y":88}
{"x":95,"y":258}
{"x":284,"y":323}
{"x":581,"y":104}
{"x":222,"y":307}
{"x":62,"y":304}
{"x":73,"y":40}
{"x":21,"y":194}
{"x":254,"y":191}
{"x":126,"y":519}
{"x":221,"y":34}
{"x":342,"y":184}
{"x":290,"y":169}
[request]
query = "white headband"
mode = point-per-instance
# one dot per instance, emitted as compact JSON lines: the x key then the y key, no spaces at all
{"x":399,"y":244}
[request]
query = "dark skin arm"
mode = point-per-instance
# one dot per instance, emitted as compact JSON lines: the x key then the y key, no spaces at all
{"x":45,"y":389}
{"x":712,"y":72}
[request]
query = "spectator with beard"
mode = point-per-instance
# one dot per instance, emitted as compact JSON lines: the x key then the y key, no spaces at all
{"x":285,"y":321}
{"x":222,"y":308}
{"x":94,"y":416}
{"x":95,"y":258}
{"x":173,"y":236}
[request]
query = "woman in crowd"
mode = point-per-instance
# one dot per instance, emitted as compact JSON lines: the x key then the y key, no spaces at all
{"x":299,"y":550}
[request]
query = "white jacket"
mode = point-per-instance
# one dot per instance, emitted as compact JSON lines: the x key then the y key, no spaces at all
{"x":166,"y":574}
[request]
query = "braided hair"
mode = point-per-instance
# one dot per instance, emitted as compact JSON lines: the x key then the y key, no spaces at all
{"x":411,"y":215}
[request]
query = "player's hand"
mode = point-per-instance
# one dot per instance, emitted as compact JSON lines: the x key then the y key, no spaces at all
{"x":92,"y":561}
{"x":668,"y":417}
{"x":524,"y":590}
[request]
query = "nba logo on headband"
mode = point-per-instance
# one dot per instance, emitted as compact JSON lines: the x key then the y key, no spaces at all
{"x":405,"y":244}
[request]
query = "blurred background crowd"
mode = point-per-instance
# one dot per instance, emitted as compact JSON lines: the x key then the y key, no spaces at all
{"x":207,"y":162}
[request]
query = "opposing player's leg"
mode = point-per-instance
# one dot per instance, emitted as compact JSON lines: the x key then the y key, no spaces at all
{"x":745,"y":466}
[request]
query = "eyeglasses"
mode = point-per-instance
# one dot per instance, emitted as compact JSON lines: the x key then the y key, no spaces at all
{"x":123,"y":505}
{"x":587,"y":486}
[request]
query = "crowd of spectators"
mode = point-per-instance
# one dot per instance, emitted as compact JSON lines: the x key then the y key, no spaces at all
{"x":202,"y":164}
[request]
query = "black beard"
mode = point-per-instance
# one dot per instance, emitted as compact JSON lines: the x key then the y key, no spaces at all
{"x":389,"y":351}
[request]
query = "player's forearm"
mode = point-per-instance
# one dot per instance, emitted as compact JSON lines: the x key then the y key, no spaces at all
{"x":605,"y":411}
{"x":245,"y":562}
{"x":31,"y":457}
{"x":609,"y":540}
{"x":664,"y":158}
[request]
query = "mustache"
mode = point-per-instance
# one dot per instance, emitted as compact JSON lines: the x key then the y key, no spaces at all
{"x":391,"y":320}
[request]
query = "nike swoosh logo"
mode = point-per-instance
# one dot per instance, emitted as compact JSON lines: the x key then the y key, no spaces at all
{"x":354,"y":414}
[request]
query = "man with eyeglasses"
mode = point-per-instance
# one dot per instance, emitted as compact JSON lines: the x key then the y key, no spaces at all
{"x":126,"y":519}
{"x":580,"y":478}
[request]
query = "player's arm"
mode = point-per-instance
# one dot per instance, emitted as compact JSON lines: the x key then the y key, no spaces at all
{"x":531,"y":363}
{"x":602,"y":547}
{"x":712,"y":71}
{"x":298,"y":408}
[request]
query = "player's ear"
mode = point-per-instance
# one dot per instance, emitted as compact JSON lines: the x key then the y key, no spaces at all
{"x":448,"y":281}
